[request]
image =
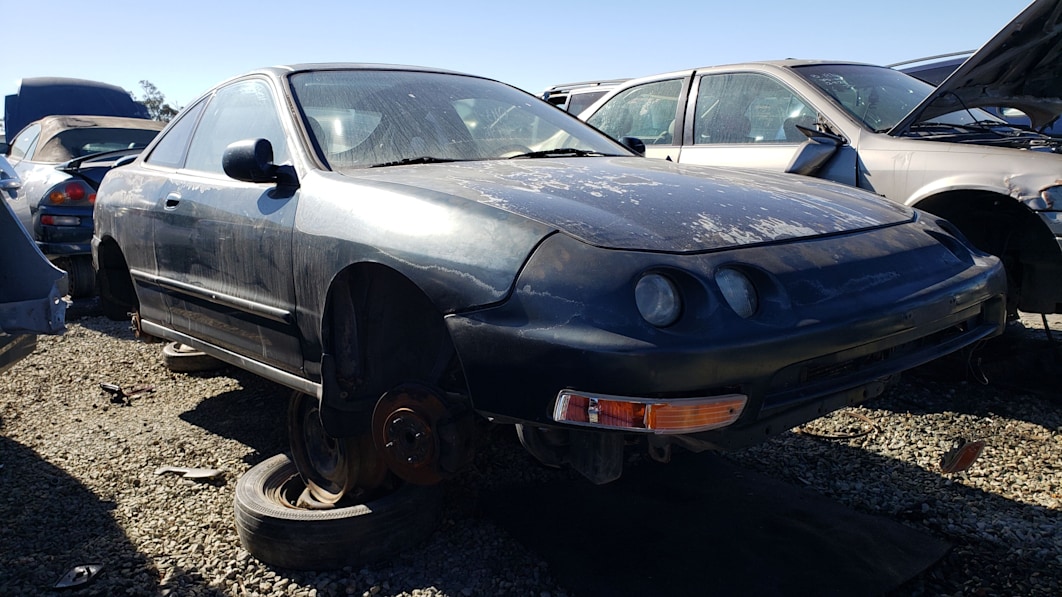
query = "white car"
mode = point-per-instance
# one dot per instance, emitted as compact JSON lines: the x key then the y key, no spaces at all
{"x":576,"y":97}
{"x":880,"y":129}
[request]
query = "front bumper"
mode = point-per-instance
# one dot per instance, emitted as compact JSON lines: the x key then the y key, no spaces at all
{"x":801,"y":358}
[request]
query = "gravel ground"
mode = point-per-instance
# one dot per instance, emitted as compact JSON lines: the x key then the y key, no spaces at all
{"x":78,"y":466}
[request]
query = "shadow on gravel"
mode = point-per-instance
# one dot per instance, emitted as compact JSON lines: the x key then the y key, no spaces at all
{"x":1024,"y":359}
{"x":1013,"y":376}
{"x":38,"y":546}
{"x":254,"y":415}
{"x":83,"y":307}
{"x":702,"y":525}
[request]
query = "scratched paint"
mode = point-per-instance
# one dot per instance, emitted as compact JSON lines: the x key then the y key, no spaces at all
{"x":639,"y":204}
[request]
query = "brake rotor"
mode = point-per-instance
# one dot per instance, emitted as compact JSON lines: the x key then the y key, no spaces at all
{"x":405,"y":429}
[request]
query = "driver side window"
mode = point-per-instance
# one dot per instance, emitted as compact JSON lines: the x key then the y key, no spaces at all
{"x":243,"y":110}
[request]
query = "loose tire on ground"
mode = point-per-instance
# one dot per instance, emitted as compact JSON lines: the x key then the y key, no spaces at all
{"x":181,"y":358}
{"x":282,"y":535}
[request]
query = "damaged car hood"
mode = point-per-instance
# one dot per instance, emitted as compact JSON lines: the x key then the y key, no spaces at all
{"x":1018,"y":68}
{"x":650,"y":205}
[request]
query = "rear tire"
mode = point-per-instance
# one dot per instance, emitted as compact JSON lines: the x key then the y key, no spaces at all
{"x":276,"y":532}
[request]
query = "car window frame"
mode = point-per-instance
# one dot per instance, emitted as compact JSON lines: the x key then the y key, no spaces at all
{"x":678,"y":128}
{"x":189,"y":116}
{"x":689,"y":132}
{"x":284,"y":128}
{"x":31,"y":145}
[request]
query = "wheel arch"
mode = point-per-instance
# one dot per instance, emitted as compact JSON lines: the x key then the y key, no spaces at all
{"x":998,"y":224}
{"x":379,"y":330}
{"x":113,"y":280}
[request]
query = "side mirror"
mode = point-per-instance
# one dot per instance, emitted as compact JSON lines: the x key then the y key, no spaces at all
{"x":813,"y":153}
{"x":250,"y":160}
{"x":10,"y":184}
{"x":634,"y":144}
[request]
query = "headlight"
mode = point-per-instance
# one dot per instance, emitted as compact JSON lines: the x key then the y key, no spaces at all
{"x":658,"y":300}
{"x":738,"y":291}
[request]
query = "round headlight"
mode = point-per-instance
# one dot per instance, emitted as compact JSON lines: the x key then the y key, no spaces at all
{"x":658,"y":300}
{"x":738,"y":291}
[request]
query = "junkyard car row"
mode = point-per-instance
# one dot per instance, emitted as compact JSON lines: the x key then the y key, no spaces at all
{"x":418,"y":253}
{"x":61,"y":161}
{"x":879,"y":129}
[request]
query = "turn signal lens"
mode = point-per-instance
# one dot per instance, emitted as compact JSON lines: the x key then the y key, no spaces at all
{"x":687,"y":415}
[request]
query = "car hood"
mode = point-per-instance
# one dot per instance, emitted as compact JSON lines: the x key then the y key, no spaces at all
{"x":651,"y":205}
{"x":1017,"y":68}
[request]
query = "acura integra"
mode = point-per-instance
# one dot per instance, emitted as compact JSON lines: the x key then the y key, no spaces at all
{"x":418,"y":253}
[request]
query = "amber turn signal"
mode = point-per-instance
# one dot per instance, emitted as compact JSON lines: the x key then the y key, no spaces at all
{"x":685,"y":415}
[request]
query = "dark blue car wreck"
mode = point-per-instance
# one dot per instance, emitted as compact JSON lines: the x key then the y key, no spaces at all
{"x":32,"y":290}
{"x":419,"y":253}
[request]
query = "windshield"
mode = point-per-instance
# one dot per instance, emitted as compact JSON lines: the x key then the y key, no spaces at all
{"x":366,"y":118}
{"x":880,"y":97}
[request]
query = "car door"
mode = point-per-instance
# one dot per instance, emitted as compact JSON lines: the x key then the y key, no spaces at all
{"x":744,"y":119}
{"x":649,"y":112}
{"x":223,"y":246}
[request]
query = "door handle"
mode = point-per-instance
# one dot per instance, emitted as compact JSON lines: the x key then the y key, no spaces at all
{"x":172,"y":200}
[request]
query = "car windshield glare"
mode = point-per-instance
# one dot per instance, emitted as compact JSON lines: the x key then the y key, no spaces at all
{"x":878,"y":96}
{"x":365,"y":118}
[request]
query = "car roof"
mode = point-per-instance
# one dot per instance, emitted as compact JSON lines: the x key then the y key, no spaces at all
{"x":283,"y":70}
{"x":51,"y":125}
{"x":38,"y":97}
{"x":569,"y":87}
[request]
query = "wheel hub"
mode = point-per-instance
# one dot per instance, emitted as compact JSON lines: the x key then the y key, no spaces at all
{"x":406,"y":426}
{"x":421,"y":438}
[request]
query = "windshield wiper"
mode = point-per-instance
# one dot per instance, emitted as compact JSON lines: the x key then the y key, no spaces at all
{"x":986,"y":126}
{"x":424,"y":159}
{"x":558,"y":152}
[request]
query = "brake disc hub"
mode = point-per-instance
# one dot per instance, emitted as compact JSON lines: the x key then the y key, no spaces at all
{"x":419,"y":438}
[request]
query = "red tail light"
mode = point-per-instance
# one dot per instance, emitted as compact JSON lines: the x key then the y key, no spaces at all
{"x":72,"y":192}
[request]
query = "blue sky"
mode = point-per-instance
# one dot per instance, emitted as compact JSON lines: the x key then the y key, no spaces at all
{"x":185,"y":47}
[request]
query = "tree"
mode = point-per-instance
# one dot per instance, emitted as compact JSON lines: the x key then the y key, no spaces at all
{"x":156,"y":104}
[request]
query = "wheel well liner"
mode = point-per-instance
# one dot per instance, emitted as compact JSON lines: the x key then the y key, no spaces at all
{"x":112,"y":274}
{"x":379,"y":330}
